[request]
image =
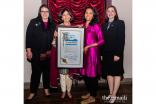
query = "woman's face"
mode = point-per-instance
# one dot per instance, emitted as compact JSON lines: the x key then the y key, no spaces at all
{"x":89,"y":14}
{"x":111,"y":13}
{"x":44,"y":13}
{"x":66,"y":17}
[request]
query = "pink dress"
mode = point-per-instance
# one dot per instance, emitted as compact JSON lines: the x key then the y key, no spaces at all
{"x":92,"y":57}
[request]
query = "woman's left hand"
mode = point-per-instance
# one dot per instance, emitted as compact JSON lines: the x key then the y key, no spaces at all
{"x":116,"y":58}
{"x":86,"y":49}
{"x":80,"y":25}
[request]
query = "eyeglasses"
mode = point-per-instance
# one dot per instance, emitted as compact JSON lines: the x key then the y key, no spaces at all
{"x":44,"y":12}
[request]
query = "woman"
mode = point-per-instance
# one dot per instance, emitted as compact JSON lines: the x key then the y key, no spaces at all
{"x":65,"y":75}
{"x":94,"y":39}
{"x":112,"y":51}
{"x":39,"y":36}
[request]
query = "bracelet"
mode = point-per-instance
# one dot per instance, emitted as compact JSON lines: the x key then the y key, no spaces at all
{"x":90,"y":46}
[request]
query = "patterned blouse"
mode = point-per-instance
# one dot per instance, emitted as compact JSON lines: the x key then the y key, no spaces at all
{"x":61,"y":71}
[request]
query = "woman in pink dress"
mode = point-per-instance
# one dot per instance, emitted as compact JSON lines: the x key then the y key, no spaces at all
{"x":94,"y":39}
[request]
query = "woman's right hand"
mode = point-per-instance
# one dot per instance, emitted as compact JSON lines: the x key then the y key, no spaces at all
{"x":29,"y":54}
{"x":55,"y":34}
{"x":102,"y":58}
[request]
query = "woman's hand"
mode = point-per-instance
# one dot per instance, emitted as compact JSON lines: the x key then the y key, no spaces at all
{"x":55,"y":34}
{"x":86,"y":49}
{"x":29,"y":53}
{"x":102,"y":58}
{"x":116,"y":58}
{"x":80,"y":26}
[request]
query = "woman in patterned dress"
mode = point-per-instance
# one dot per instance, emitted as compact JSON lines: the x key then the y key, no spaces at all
{"x":65,"y":75}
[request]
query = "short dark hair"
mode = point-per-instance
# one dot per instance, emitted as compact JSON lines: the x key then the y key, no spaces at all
{"x":95,"y":18}
{"x":116,"y":16}
{"x":61,"y":13}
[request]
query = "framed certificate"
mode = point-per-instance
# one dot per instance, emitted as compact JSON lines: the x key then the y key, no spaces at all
{"x":70,"y":44}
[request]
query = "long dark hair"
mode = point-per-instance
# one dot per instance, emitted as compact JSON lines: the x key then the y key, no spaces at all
{"x":50,"y":20}
{"x":61,"y":13}
{"x":116,"y":16}
{"x":95,"y":18}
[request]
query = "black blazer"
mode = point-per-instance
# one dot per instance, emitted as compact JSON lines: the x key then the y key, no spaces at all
{"x":34,"y":33}
{"x":114,"y":37}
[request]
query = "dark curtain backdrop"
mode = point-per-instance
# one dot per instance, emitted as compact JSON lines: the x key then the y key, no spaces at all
{"x":77,"y":8}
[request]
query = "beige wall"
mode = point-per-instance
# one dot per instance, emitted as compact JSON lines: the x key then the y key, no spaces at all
{"x":124,"y":8}
{"x":30,"y":11}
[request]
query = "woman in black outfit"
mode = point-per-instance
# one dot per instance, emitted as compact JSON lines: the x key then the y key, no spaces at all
{"x":112,"y":51}
{"x":39,"y":36}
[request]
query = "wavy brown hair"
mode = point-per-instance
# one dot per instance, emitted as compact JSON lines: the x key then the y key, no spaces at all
{"x":116,"y":16}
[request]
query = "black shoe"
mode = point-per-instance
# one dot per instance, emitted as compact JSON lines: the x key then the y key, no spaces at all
{"x":48,"y":96}
{"x":29,"y":100}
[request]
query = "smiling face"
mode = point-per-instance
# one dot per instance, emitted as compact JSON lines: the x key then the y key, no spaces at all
{"x":66,"y":17}
{"x":111,"y":13}
{"x":89,"y":14}
{"x":44,"y":13}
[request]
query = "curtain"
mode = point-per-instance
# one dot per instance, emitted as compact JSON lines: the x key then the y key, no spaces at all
{"x":77,"y":8}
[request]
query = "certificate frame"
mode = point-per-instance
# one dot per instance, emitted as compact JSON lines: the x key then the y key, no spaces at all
{"x":70,"y":43}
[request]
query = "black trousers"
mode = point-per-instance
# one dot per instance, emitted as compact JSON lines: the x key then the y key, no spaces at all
{"x":92,"y":85}
{"x":38,"y":67}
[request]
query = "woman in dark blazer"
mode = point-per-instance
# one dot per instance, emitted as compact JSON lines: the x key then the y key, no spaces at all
{"x":39,"y":36}
{"x":112,"y":51}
